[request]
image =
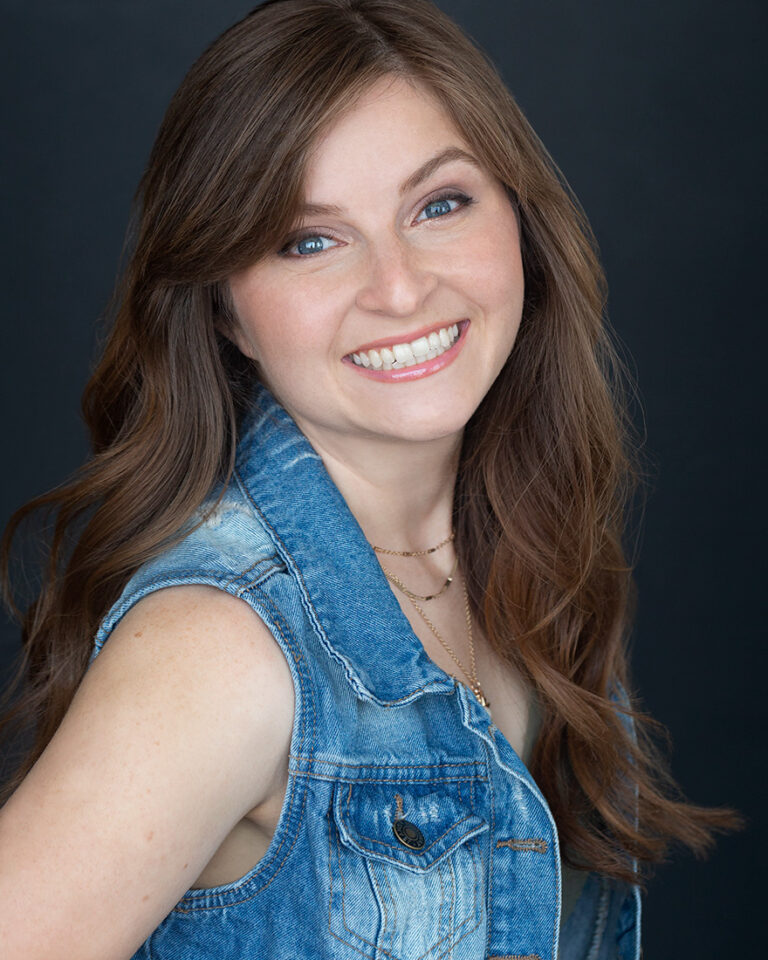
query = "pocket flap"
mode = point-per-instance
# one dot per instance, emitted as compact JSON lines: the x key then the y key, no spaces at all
{"x":432,"y":822}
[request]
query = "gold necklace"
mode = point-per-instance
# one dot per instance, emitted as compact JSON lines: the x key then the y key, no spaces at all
{"x":415,"y":553}
{"x":416,"y":596}
{"x":474,"y":683}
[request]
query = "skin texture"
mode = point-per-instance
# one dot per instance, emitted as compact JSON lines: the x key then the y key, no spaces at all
{"x":388,"y":265}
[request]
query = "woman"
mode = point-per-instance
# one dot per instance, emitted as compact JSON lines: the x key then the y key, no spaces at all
{"x":349,"y":543}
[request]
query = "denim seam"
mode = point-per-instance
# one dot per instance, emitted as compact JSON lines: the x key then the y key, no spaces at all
{"x":392,"y":900}
{"x":477,"y":882}
{"x":372,"y":873}
{"x":293,"y":779}
{"x":393,"y":766}
{"x":366,"y":780}
{"x":443,"y":900}
{"x":492,"y":808}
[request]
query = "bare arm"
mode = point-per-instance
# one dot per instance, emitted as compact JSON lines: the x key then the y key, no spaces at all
{"x":179,"y":728}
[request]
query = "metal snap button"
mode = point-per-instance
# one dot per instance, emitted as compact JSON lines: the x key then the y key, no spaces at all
{"x":408,"y":834}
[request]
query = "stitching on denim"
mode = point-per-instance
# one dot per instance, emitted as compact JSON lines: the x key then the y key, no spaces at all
{"x":442,"y":900}
{"x":343,"y":898}
{"x":371,"y":868}
{"x":454,"y":897}
{"x":244,"y":588}
{"x":533,"y":844}
{"x":393,"y":766}
{"x":272,"y":566}
{"x":458,"y":940}
{"x":385,"y":871}
{"x":492,"y":817}
{"x":277,"y":619}
{"x":515,"y":956}
{"x":393,"y":846}
{"x":478,"y":882}
{"x":362,"y":781}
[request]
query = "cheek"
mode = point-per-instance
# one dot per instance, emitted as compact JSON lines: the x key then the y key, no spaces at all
{"x":492,"y":271}
{"x":272,"y":313}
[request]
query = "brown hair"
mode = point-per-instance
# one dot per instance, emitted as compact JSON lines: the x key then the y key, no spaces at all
{"x":547,"y":465}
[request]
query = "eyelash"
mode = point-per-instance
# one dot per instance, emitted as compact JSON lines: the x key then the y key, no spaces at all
{"x":462,"y":199}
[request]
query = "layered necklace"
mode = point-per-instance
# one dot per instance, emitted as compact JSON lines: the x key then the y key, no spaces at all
{"x":416,"y":599}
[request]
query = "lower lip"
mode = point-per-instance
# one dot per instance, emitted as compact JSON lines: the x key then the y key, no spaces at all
{"x":418,"y":370}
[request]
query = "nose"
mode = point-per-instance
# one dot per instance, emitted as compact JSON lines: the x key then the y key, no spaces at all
{"x":396,"y":279}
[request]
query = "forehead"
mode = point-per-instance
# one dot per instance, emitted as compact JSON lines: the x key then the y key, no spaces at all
{"x":390,"y":130}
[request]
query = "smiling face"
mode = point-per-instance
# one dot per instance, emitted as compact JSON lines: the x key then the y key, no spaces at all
{"x":393,"y":305}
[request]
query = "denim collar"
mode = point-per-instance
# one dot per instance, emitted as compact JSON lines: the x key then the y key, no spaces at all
{"x":344,"y":591}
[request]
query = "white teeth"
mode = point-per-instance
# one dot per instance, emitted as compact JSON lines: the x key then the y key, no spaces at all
{"x":407,"y":354}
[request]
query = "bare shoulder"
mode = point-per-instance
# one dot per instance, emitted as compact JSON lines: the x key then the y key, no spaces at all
{"x":177,"y":624}
{"x":179,"y":728}
{"x":208,"y":650}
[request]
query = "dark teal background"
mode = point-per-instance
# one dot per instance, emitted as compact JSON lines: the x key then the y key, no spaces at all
{"x":653,"y":113}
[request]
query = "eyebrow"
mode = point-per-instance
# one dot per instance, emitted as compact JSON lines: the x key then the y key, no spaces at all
{"x":417,"y":177}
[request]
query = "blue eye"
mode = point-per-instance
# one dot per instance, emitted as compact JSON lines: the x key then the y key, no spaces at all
{"x":306,"y":245}
{"x":441,"y":206}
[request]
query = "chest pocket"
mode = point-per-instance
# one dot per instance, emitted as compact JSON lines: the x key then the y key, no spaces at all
{"x":407,"y":870}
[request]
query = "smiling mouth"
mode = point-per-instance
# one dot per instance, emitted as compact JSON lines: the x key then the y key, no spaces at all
{"x":395,"y":356}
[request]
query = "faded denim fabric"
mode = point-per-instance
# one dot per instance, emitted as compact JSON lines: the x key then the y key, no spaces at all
{"x":381,"y":735}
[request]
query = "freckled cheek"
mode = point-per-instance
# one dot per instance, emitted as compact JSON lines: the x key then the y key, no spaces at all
{"x":310,"y":320}
{"x":492,"y":274}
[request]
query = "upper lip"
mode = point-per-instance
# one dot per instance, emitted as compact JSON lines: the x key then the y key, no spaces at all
{"x":405,"y":338}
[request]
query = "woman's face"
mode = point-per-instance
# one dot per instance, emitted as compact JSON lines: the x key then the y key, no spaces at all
{"x":396,"y":253}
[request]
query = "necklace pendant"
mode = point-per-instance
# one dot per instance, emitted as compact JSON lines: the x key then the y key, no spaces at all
{"x":485,"y":703}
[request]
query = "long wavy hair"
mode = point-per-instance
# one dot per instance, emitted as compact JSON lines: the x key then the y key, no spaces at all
{"x":549,"y":461}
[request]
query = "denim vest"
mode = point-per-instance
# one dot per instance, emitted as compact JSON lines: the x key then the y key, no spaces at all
{"x":410,"y":830}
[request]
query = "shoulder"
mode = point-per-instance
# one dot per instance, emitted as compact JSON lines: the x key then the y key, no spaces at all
{"x":227,"y":546}
{"x":207,"y":653}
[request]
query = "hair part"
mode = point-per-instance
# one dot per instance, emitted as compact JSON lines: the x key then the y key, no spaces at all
{"x":548,"y":463}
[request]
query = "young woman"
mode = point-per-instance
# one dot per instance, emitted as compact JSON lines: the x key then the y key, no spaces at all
{"x":330,"y":659}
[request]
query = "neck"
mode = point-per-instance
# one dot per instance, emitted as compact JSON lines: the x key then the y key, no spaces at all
{"x":400,"y":493}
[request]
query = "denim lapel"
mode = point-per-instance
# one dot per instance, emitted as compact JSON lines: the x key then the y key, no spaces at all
{"x":344,"y":591}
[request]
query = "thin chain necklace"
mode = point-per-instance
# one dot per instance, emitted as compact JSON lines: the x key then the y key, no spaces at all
{"x":416,"y":596}
{"x":474,"y":683}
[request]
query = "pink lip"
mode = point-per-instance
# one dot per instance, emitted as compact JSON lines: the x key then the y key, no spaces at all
{"x":418,"y":369}
{"x":406,"y":338}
